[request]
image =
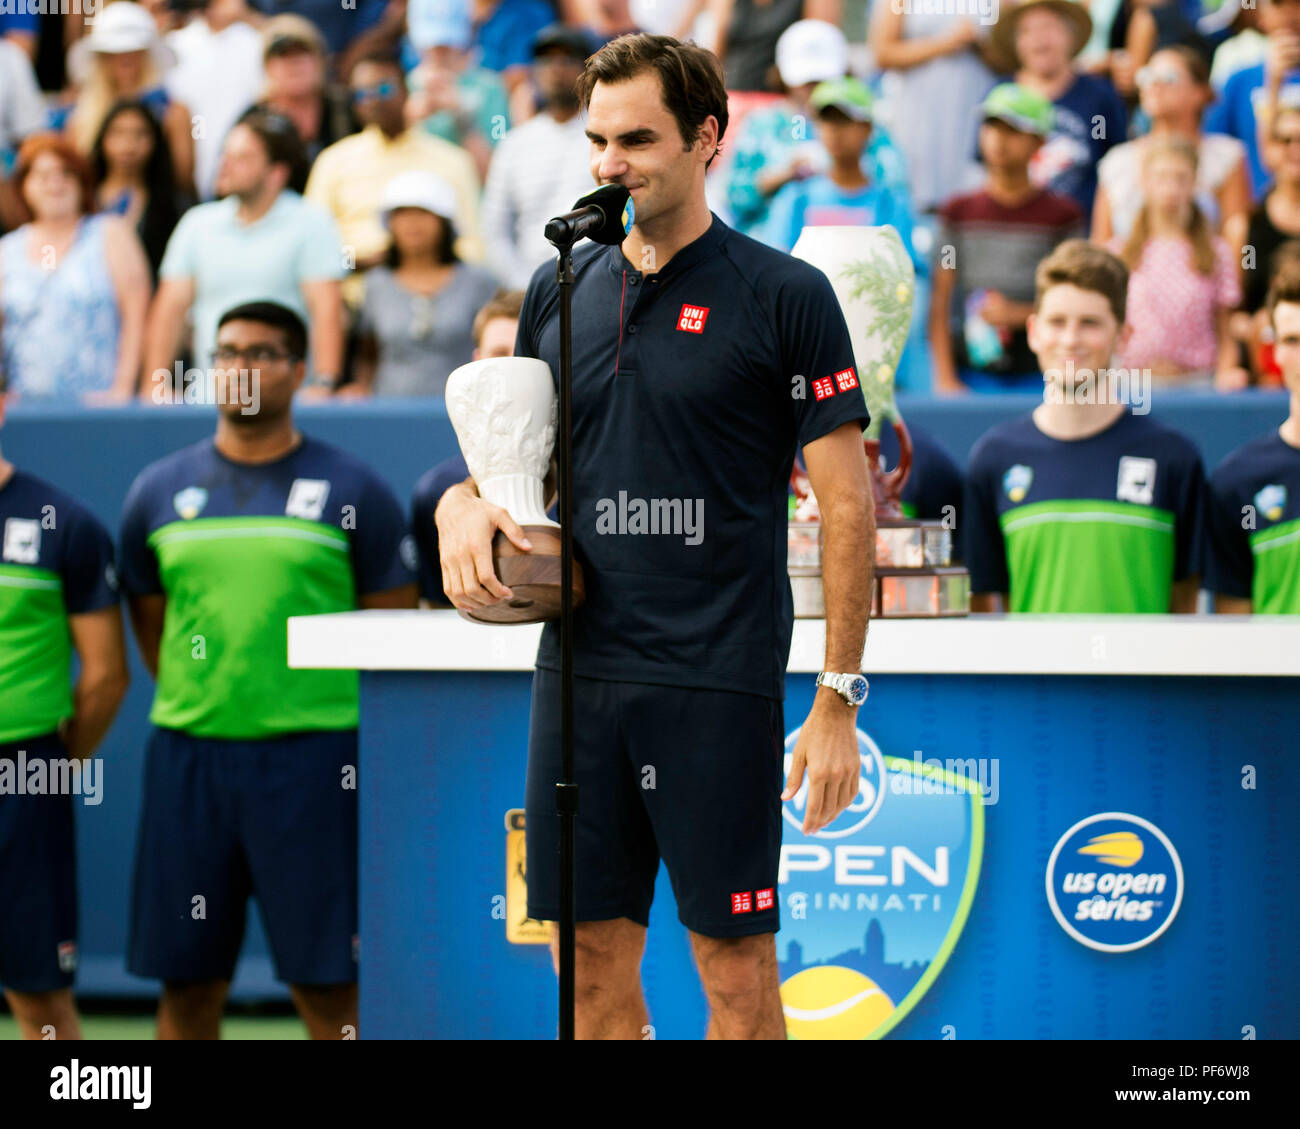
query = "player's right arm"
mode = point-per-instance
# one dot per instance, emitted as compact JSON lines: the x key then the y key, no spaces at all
{"x":147,"y":614}
{"x":102,"y":680}
{"x":466,"y":526}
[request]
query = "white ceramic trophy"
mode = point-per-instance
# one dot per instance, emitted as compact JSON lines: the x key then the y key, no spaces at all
{"x":872,"y":276}
{"x":504,"y":412}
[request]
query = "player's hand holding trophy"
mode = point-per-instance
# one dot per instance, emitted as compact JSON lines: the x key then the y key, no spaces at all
{"x":504,"y":412}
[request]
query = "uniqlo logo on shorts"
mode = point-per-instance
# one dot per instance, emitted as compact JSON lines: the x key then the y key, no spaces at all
{"x":743,"y":902}
{"x":846,"y":379}
{"x":764,"y":899}
{"x":822,"y":387}
{"x":692,"y":318}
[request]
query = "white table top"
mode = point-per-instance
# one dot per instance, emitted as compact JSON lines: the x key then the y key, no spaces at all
{"x":981,"y":644}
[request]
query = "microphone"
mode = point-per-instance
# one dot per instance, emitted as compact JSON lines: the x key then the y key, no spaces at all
{"x":605,"y":216}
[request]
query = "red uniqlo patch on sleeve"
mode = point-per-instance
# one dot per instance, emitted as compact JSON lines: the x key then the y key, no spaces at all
{"x":692,"y":318}
{"x":823,"y":386}
{"x":763,"y":899}
{"x":742,"y":902}
{"x":846,"y":379}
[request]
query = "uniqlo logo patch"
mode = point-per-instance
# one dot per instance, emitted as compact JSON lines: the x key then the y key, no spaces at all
{"x":743,"y":902}
{"x":823,"y":386}
{"x":846,"y":379}
{"x":763,"y":899}
{"x":692,"y":319}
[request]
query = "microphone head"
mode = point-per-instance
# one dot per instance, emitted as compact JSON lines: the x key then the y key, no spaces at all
{"x":615,"y":203}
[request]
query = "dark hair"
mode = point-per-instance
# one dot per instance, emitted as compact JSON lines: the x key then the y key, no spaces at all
{"x":1076,"y":262}
{"x":444,"y":251}
{"x":281,"y":140}
{"x":1193,"y":60}
{"x":1285,"y":283}
{"x":379,"y":57}
{"x":690,"y":78}
{"x":275,"y":315}
{"x":160,"y":212}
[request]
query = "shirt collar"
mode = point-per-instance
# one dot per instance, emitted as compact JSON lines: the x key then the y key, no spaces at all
{"x":686,"y":258}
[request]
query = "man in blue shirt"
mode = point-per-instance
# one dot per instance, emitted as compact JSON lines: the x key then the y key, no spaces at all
{"x":702,"y":361}
{"x":1242,"y":109}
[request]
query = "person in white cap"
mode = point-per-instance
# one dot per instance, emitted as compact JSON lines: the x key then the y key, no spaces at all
{"x":124,"y":57}
{"x":417,"y":316}
{"x":778,"y":145}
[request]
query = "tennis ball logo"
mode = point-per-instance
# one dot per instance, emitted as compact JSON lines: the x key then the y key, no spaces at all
{"x":833,"y":1002}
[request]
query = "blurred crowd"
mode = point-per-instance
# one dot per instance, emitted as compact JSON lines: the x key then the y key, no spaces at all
{"x":385,"y":168}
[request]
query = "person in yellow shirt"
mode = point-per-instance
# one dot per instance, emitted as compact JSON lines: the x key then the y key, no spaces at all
{"x":349,"y":177}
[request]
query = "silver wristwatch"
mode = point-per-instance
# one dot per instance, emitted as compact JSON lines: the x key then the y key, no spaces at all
{"x":851,"y":687}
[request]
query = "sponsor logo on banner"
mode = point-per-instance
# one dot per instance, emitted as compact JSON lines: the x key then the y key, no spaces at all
{"x":1271,"y":501}
{"x":22,"y":543}
{"x":189,"y":502}
{"x":1114,"y":882}
{"x":1137,"y":480}
{"x":872,"y":905}
{"x":520,"y":928}
{"x":1017,"y":480}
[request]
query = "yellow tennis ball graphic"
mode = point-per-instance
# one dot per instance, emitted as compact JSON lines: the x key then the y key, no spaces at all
{"x":833,"y":1002}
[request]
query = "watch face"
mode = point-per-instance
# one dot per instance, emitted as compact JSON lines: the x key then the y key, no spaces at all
{"x":858,"y":689}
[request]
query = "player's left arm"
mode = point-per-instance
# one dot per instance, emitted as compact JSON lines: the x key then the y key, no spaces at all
{"x":828,"y":745}
{"x":404,"y":596}
{"x":101,"y":685}
{"x":384,"y":555}
{"x":1190,"y":537}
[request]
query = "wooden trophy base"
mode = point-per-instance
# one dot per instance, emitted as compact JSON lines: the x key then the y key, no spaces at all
{"x":533,"y":577}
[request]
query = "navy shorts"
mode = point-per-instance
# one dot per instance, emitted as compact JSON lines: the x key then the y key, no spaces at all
{"x":38,"y":878}
{"x":222,"y":820}
{"x":690,"y":776}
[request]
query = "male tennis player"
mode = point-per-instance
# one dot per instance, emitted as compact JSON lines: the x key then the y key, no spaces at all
{"x":702,"y":361}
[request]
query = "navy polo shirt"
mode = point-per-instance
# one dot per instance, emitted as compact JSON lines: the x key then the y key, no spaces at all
{"x":693,"y":388}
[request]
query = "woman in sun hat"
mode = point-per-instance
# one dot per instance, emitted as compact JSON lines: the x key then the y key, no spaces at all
{"x":124,"y":57}
{"x":1039,"y":41}
{"x":417,"y":316}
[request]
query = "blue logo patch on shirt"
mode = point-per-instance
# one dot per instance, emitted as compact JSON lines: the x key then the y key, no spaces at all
{"x":1017,"y":480}
{"x":189,"y":502}
{"x":1271,"y":501}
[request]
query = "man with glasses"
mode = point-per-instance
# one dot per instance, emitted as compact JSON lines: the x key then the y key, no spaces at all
{"x":349,"y":177}
{"x":261,"y":241}
{"x":250,"y":774}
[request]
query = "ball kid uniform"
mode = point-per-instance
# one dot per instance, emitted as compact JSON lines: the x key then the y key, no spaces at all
{"x":1253,"y":520}
{"x":693,"y":388}
{"x":56,"y":561}
{"x":1096,"y":525}
{"x":247,"y":768}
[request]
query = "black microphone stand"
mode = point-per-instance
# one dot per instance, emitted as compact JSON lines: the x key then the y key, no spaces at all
{"x":566,"y":790}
